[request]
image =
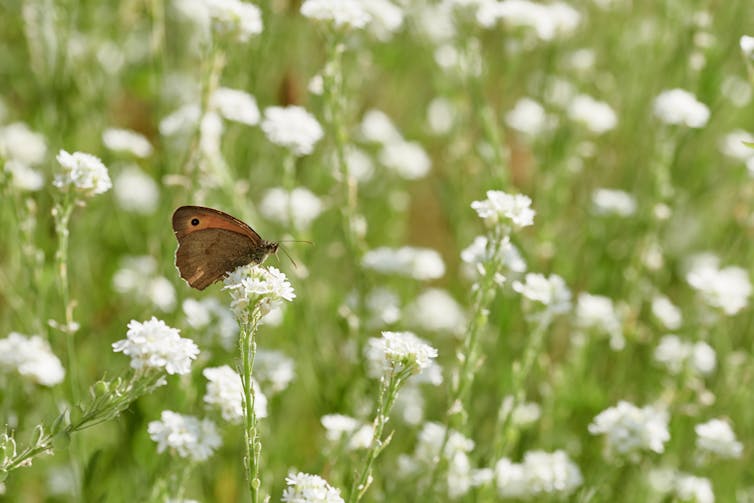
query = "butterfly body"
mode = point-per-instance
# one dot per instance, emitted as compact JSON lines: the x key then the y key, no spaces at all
{"x":212,"y":243}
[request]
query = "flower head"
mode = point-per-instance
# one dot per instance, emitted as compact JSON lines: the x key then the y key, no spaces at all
{"x":597,"y":116}
{"x":253,"y":285}
{"x":597,"y":313}
{"x":540,"y":475}
{"x":213,"y":318}
{"x":125,"y":140}
{"x":417,"y":263}
{"x":306,"y":488}
{"x":630,"y":429}
{"x":406,"y":158}
{"x":728,"y":289}
{"x":83,"y":172}
{"x":236,"y":105}
{"x":274,"y":369}
{"x":241,"y":19}
{"x":678,"y":356}
{"x":613,"y":202}
{"x":292,"y":127}
{"x":341,"y":13}
{"x":717,"y":437}
{"x":21,"y":144}
{"x":400,"y":350}
{"x":186,"y":436}
{"x":747,"y":45}
{"x":550,"y":291}
{"x":500,"y":207}
{"x":136,"y":191}
{"x":436,"y":310}
{"x":680,"y":107}
{"x":31,"y":357}
{"x":225,"y":391}
{"x":153,"y":344}
{"x":298,"y":206}
{"x":528,"y":117}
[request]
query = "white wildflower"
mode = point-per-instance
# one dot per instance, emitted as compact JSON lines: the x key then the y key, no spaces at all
{"x":292,"y":127}
{"x":734,"y":145}
{"x":528,"y":117}
{"x":153,"y":344}
{"x":125,"y":140}
{"x":386,"y":18}
{"x":137,"y":276}
{"x":666,"y":312}
{"x":613,"y":202}
{"x":478,"y":253}
{"x":407,"y":159}
{"x":597,"y":116}
{"x":679,"y":356}
{"x":181,"y":121}
{"x":435,"y":310}
{"x":23,"y":177}
{"x":692,"y":489}
{"x":501,"y":207}
{"x":236,"y":105}
{"x":441,"y":116}
{"x":417,"y":263}
{"x":306,"y":488}
{"x":252,"y":284}
{"x":84,"y":172}
{"x":597,"y":313}
{"x":213,"y":319}
{"x":680,"y":107}
{"x":241,"y":19}
{"x":728,"y":289}
{"x":630,"y":429}
{"x":186,"y":436}
{"x":19,"y":143}
{"x":717,"y":437}
{"x":550,"y":291}
{"x":274,"y":369}
{"x":32,"y":357}
{"x":299,"y":207}
{"x":135,"y":191}
{"x":341,"y":13}
{"x":376,"y":127}
{"x":540,"y":475}
{"x":525,"y":414}
{"x":225,"y":392}
{"x":399,"y":350}
{"x":747,"y":45}
{"x":548,"y":21}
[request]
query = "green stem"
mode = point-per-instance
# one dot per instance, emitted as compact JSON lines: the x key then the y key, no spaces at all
{"x":248,"y":347}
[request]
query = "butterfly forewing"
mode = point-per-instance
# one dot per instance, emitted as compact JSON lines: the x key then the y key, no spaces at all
{"x":188,"y":219}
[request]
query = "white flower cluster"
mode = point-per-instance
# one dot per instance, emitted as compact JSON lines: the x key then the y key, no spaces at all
{"x":212,"y":318}
{"x":630,"y":429}
{"x":435,"y":310}
{"x":417,"y":263}
{"x":680,"y":356}
{"x":547,"y":20}
{"x":479,"y":253}
{"x":717,"y":437}
{"x":252,"y":285}
{"x":125,"y":140}
{"x":502,"y":208}
{"x":528,"y":116}
{"x":727,"y":289}
{"x":540,"y":475}
{"x":292,"y":127}
{"x":186,"y":436}
{"x":525,"y":414}
{"x":680,"y":107}
{"x":274,"y":369}
{"x":138,"y":278}
{"x":85,"y":173}
{"x":407,"y":159}
{"x":597,"y":116}
{"x":596,"y":313}
{"x":666,"y":312}
{"x":339,"y":427}
{"x":235,"y":105}
{"x":341,"y":13}
{"x":136,"y":191}
{"x":241,"y":19}
{"x":747,"y":45}
{"x":398,"y":350}
{"x":299,"y":207}
{"x":22,"y":149}
{"x":225,"y":392}
{"x":683,"y":486}
{"x":154,"y":345}
{"x":31,"y":357}
{"x":551,"y":291}
{"x":306,"y":488}
{"x":613,"y":202}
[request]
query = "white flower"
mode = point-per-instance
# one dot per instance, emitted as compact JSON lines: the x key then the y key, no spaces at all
{"x":225,"y":391}
{"x":299,"y":206}
{"x":717,"y":437}
{"x":19,"y":143}
{"x":679,"y":356}
{"x":341,"y":13}
{"x":527,"y":116}
{"x":728,"y":289}
{"x":153,"y":344}
{"x":436,"y":310}
{"x":136,"y":191}
{"x":252,"y":284}
{"x":138,"y":276}
{"x":84,"y":172}
{"x":732,"y":145}
{"x":399,"y":350}
{"x":666,"y":312}
{"x":125,"y":140}
{"x":306,"y":488}
{"x":274,"y":369}
{"x":292,"y":127}
{"x":441,"y":116}
{"x":550,"y":291}
{"x":236,"y":105}
{"x":613,"y":202}
{"x":242,"y":19}
{"x":31,"y":357}
{"x":525,"y":414}
{"x":596,"y":312}
{"x":597,"y":116}
{"x":376,"y":127}
{"x":386,"y":18}
{"x":693,"y":489}
{"x":630,"y":429}
{"x":186,"y":436}
{"x":502,"y":207}
{"x":417,"y":263}
{"x":181,"y":121}
{"x":541,"y":474}
{"x":23,"y":177}
{"x":548,"y":21}
{"x":677,"y":106}
{"x":406,"y":158}
{"x":478,"y":253}
{"x":210,"y":317}
{"x":747,"y":45}
{"x":338,"y":426}
{"x":360,"y":165}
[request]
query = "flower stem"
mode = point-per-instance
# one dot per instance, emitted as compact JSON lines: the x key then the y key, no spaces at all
{"x":248,"y":347}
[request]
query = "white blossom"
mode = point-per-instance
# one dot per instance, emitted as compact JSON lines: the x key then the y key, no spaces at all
{"x":186,"y":436}
{"x":376,"y":127}
{"x":292,"y":127}
{"x":19,"y":143}
{"x":435,"y":310}
{"x":125,"y":140}
{"x":274,"y":369}
{"x":407,"y":159}
{"x":135,"y":191}
{"x":399,"y":350}
{"x":747,"y":45}
{"x":547,"y":20}
{"x":680,"y":107}
{"x":679,"y":356}
{"x":32,"y":358}
{"x":306,"y":488}
{"x":613,"y":202}
{"x":341,"y":13}
{"x":527,"y":116}
{"x":24,"y":177}
{"x":241,"y":19}
{"x":84,"y":172}
{"x":153,"y":344}
{"x":666,"y":312}
{"x":298,"y":206}
{"x":550,"y":291}
{"x":213,"y":319}
{"x":137,"y":276}
{"x":225,"y":392}
{"x":597,"y":116}
{"x":597,"y":313}
{"x":728,"y":289}
{"x":501,"y":207}
{"x":236,"y":105}
{"x":717,"y":437}
{"x":253,"y":284}
{"x":630,"y":429}
{"x":417,"y":263}
{"x":541,"y":474}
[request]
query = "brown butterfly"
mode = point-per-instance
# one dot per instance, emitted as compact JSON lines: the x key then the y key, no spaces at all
{"x":212,"y":243}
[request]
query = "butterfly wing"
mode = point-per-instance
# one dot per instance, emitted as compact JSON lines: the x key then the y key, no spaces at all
{"x":205,"y":256}
{"x":189,"y":219}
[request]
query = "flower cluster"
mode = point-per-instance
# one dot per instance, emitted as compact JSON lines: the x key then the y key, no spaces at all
{"x":680,"y":107}
{"x":680,"y":356}
{"x":303,"y":487}
{"x":22,"y":148}
{"x":186,"y":436}
{"x":125,"y":140}
{"x":417,"y":263}
{"x":136,"y":191}
{"x":241,"y":19}
{"x":235,"y":105}
{"x":727,"y":289}
{"x":339,"y":427}
{"x":501,"y":208}
{"x":274,"y":369}
{"x":254,"y":286}
{"x":225,"y":391}
{"x":399,"y":351}
{"x":550,"y":291}
{"x":292,"y":127}
{"x":213,"y":319}
{"x":31,"y":357}
{"x":154,"y":345}
{"x":137,"y":277}
{"x":84,"y":173}
{"x":298,"y":207}
{"x":540,"y":475}
{"x":630,"y":429}
{"x":341,"y":13}
{"x":717,"y":437}
{"x":596,"y":313}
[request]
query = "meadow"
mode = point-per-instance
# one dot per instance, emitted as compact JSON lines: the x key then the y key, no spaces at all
{"x":516,"y":251}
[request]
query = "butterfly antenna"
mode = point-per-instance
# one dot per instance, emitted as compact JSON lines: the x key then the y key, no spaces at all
{"x":296,"y":241}
{"x":289,"y":257}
